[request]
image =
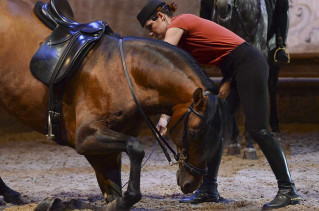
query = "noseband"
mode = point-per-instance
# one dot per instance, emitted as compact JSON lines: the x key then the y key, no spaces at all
{"x":182,"y":158}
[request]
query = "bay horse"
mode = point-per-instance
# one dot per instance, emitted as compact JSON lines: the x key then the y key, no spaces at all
{"x":100,"y":118}
{"x":249,"y":20}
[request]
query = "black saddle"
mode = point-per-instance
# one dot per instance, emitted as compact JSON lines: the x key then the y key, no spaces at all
{"x":63,"y":51}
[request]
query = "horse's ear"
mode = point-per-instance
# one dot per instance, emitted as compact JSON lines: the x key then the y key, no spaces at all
{"x":198,"y":97}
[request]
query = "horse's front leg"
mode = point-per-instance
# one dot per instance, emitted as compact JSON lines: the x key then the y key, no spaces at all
{"x":9,"y":195}
{"x":95,"y":139}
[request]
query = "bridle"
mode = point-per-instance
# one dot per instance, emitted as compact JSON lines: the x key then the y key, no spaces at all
{"x":183,"y":157}
{"x":180,"y":157}
{"x":238,"y":12}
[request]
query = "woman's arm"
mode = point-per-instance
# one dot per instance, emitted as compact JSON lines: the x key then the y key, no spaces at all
{"x":173,"y":35}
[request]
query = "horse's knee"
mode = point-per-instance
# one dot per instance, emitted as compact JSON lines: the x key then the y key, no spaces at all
{"x":135,"y":149}
{"x":83,"y":135}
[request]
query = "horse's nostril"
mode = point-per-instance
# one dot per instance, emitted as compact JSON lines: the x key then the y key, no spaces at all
{"x":187,"y":188}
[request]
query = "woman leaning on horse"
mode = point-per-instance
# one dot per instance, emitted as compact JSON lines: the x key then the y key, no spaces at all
{"x":240,"y":64}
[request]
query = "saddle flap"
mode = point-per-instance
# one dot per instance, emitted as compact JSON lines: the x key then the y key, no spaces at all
{"x":61,"y":54}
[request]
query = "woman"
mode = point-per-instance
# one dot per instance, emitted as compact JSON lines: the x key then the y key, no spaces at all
{"x":244,"y":68}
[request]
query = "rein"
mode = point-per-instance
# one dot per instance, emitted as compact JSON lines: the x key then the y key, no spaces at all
{"x":154,"y":130}
{"x":182,"y":158}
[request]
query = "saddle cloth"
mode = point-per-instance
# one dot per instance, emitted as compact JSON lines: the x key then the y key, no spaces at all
{"x":63,"y":51}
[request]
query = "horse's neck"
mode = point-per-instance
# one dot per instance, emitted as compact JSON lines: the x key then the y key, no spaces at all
{"x":166,"y":85}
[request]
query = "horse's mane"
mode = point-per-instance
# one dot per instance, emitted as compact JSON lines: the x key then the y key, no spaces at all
{"x":209,"y":85}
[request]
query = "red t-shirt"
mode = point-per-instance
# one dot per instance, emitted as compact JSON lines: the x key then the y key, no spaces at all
{"x":205,"y":40}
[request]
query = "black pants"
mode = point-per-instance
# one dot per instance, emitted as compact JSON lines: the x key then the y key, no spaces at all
{"x":249,"y":71}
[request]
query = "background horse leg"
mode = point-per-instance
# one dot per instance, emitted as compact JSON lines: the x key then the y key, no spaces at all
{"x":273,"y":89}
{"x":233,"y":104}
{"x":95,"y":139}
{"x":9,"y":195}
{"x":249,"y":151}
{"x":234,"y":145}
{"x":108,"y":173}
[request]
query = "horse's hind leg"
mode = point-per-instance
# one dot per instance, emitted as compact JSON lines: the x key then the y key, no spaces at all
{"x":9,"y":195}
{"x":97,"y":139}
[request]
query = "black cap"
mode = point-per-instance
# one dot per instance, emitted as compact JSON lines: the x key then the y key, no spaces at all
{"x":148,"y":10}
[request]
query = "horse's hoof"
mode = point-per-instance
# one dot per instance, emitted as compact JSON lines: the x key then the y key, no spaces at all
{"x":48,"y":204}
{"x":14,"y":198}
{"x":250,"y":154}
{"x":233,"y":149}
{"x":56,"y":204}
{"x":115,"y":206}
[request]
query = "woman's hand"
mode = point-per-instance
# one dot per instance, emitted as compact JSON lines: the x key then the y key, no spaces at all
{"x":224,"y":90}
{"x":162,"y":123}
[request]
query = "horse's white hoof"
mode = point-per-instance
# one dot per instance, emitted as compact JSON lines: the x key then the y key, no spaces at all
{"x":250,"y":154}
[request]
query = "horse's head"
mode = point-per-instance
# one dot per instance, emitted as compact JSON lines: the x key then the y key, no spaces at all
{"x":223,"y":9}
{"x":202,"y":134}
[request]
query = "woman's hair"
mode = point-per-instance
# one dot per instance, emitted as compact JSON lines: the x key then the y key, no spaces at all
{"x":153,"y":7}
{"x":167,"y":9}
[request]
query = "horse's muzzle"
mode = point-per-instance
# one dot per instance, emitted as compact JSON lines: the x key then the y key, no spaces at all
{"x":187,"y":182}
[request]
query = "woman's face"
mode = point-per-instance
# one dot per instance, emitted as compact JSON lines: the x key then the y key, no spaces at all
{"x":158,"y":27}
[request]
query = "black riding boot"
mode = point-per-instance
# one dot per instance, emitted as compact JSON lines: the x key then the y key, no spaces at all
{"x":208,"y":192}
{"x":281,"y":17}
{"x":287,"y":194}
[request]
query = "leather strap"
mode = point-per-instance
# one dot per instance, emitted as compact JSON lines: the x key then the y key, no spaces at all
{"x":154,"y":130}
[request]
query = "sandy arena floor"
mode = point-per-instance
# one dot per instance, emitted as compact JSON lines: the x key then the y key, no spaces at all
{"x":39,"y":169}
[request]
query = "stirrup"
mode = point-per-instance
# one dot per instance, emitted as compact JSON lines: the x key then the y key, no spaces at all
{"x":50,"y":135}
{"x":285,"y":50}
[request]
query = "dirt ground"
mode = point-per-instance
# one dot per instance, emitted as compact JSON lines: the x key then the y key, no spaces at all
{"x":38,"y":169}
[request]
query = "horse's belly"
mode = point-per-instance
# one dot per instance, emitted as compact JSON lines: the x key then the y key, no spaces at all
{"x":21,"y":95}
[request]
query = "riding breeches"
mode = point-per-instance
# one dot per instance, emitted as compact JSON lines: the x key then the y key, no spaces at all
{"x":249,"y":71}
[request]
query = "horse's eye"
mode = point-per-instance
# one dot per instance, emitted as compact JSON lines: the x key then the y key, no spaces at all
{"x":193,"y":133}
